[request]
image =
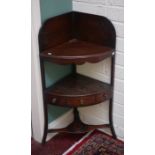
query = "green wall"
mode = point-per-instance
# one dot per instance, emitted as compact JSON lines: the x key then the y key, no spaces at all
{"x":50,"y":8}
{"x":54,"y":72}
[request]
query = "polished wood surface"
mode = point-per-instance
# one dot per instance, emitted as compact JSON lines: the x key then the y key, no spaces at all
{"x":76,"y":38}
{"x":76,"y":52}
{"x":94,"y":29}
{"x":55,"y":31}
{"x":78,"y":90}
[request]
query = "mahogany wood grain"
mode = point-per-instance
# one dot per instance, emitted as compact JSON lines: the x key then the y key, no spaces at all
{"x":94,"y":28}
{"x":55,"y":31}
{"x":76,"y":38}
{"x":76,"y":52}
{"x":78,"y":90}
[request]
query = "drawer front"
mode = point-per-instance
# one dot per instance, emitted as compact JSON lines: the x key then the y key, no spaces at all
{"x":75,"y":101}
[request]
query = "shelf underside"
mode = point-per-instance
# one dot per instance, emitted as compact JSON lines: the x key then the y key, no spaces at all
{"x":78,"y":90}
{"x":76,"y":52}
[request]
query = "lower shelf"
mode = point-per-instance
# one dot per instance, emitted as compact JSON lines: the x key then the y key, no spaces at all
{"x":77,"y":126}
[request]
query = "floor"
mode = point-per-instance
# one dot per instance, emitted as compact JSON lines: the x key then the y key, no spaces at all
{"x":56,"y":146}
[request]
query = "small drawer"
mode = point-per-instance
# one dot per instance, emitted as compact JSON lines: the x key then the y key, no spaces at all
{"x":80,"y":101}
{"x":75,"y":101}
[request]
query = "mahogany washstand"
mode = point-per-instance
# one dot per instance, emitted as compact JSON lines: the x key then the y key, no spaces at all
{"x":75,"y":38}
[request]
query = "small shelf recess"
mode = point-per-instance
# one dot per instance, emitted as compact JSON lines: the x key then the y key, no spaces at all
{"x":76,"y":38}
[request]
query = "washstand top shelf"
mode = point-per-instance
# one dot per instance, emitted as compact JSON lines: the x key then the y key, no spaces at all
{"x":76,"y":38}
{"x":77,"y":52}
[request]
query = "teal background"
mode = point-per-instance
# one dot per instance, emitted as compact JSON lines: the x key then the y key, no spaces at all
{"x":55,"y":112}
{"x":54,"y":72}
{"x":51,"y":8}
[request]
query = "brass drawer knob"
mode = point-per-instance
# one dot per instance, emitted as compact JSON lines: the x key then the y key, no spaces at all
{"x":49,"y":53}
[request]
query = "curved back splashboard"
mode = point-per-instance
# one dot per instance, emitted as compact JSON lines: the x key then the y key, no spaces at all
{"x":76,"y":38}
